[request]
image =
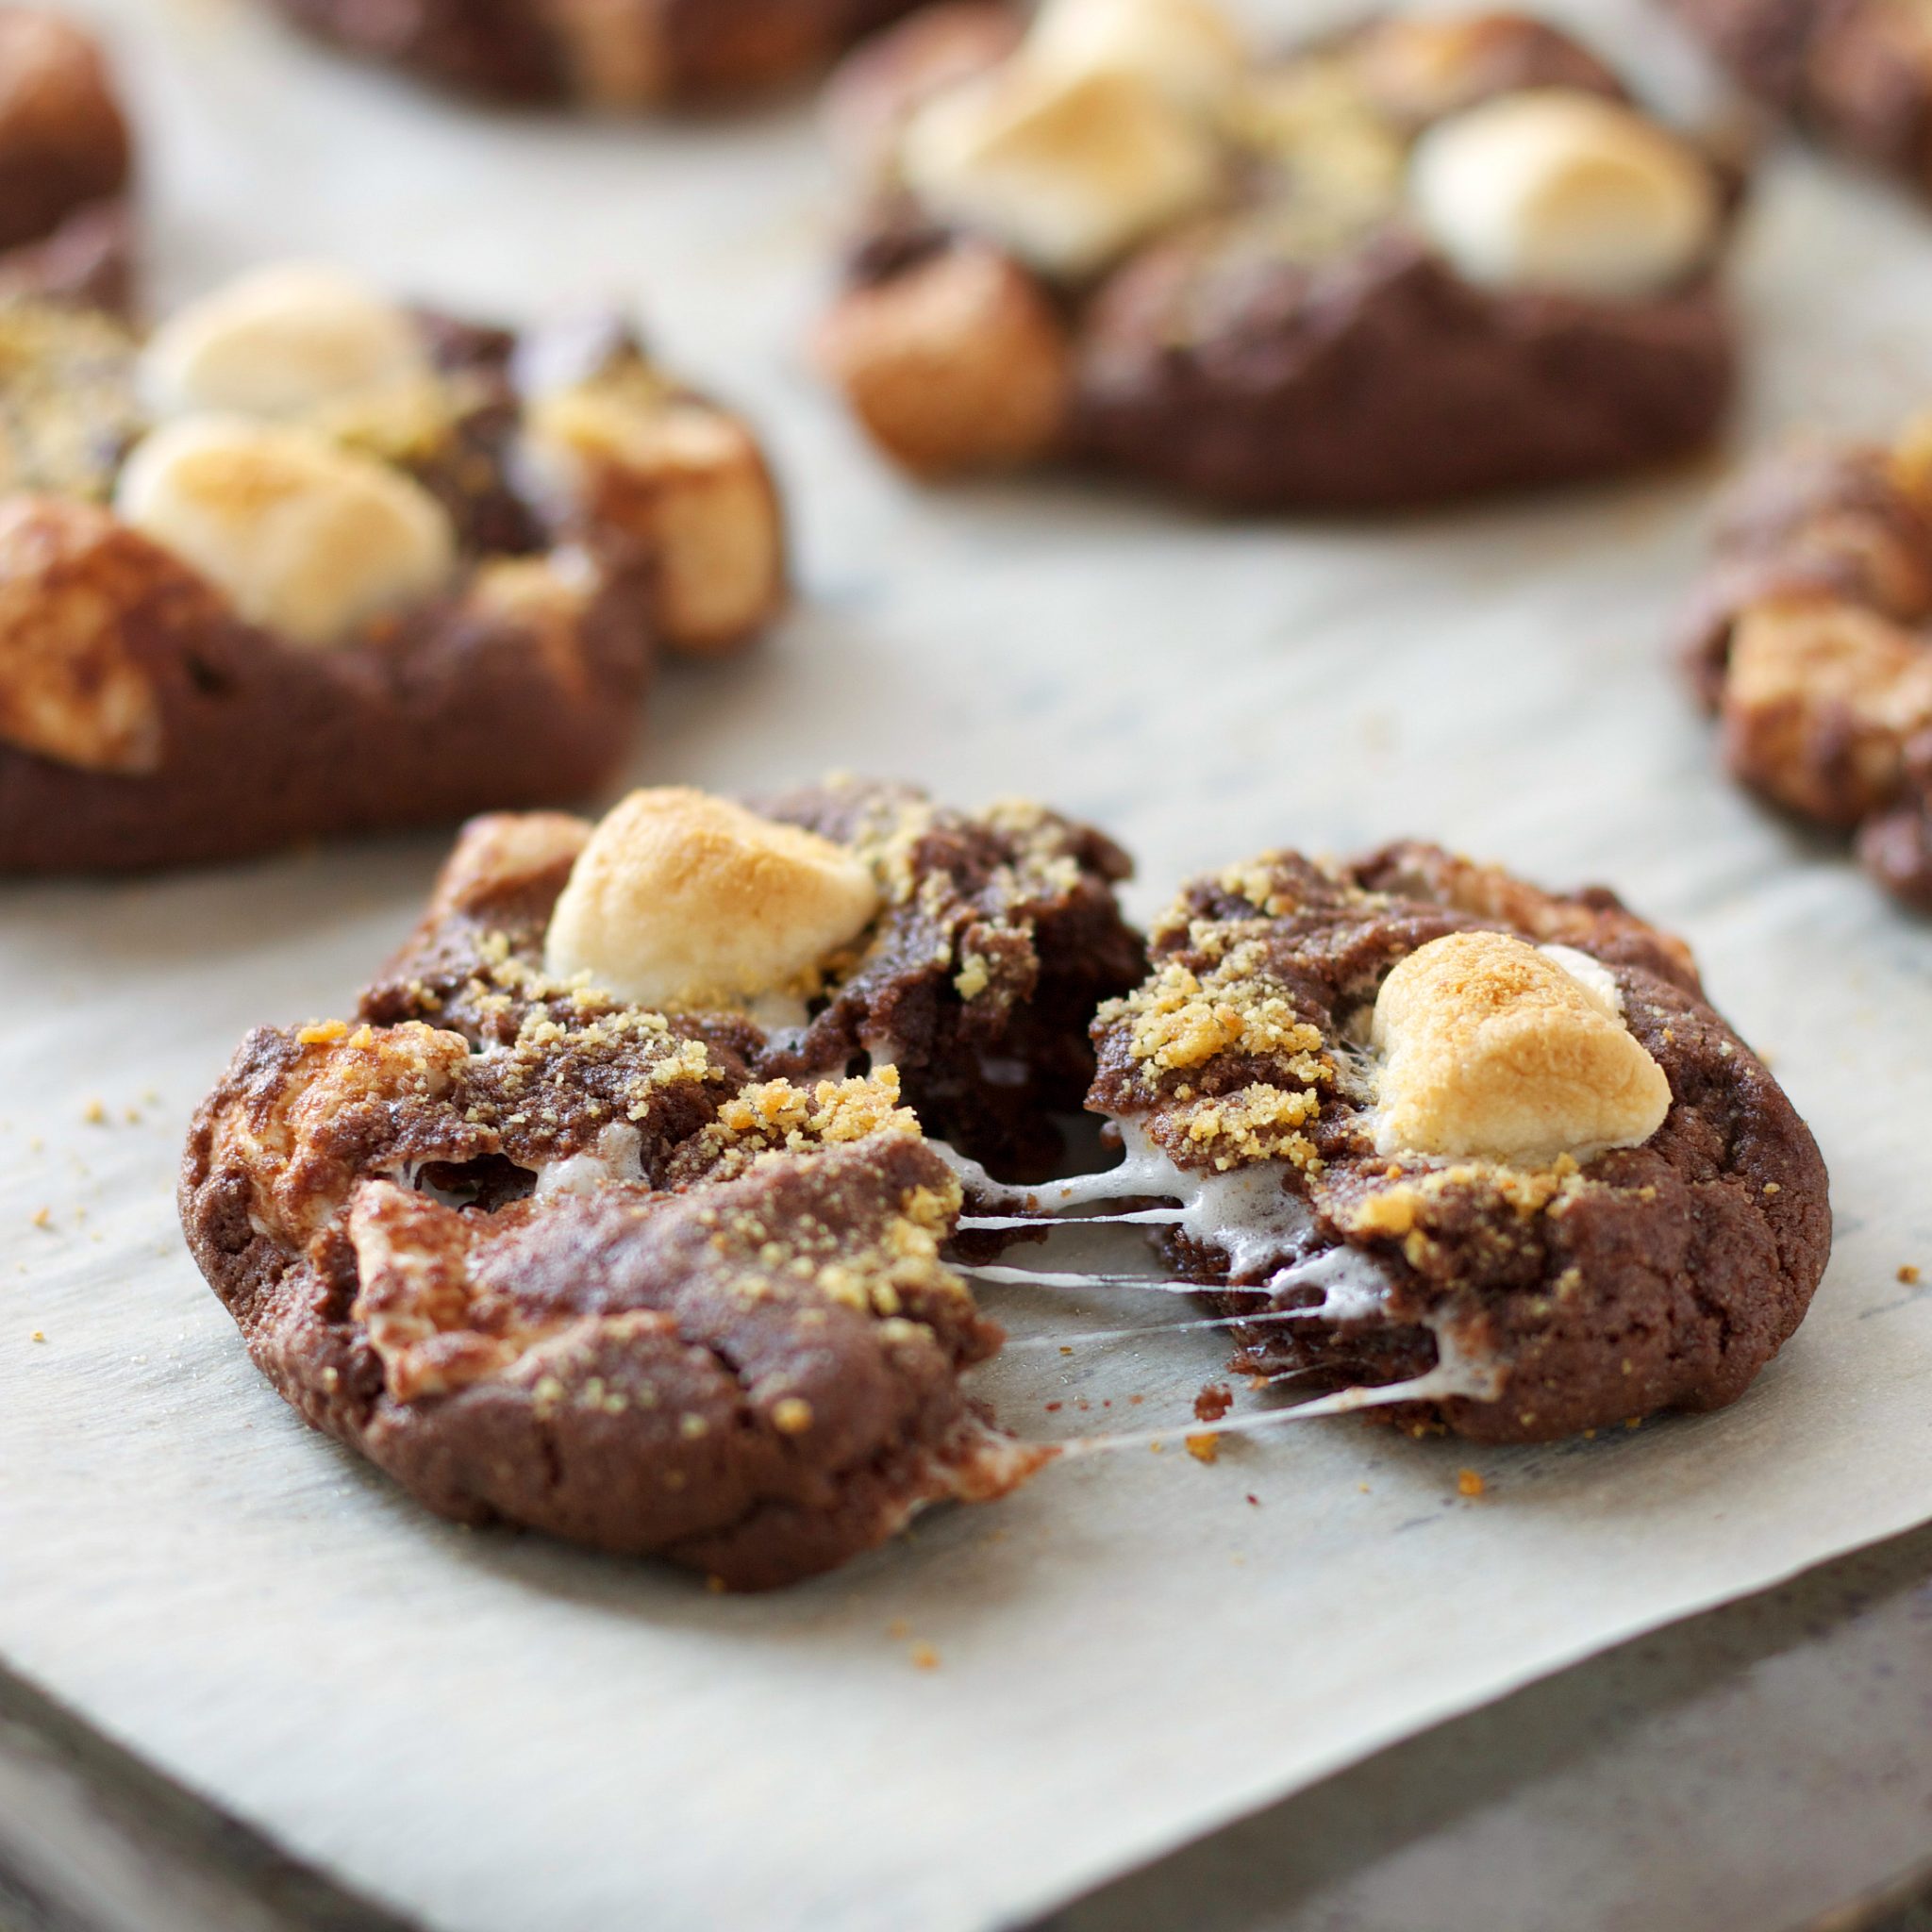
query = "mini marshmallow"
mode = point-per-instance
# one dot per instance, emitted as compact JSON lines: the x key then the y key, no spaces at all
{"x":1187,"y":49}
{"x":307,"y":540}
{"x":282,"y":341}
{"x":73,"y":686}
{"x":1494,"y":1049}
{"x":1066,"y":173}
{"x":688,"y":481}
{"x":681,"y":898}
{"x":1560,"y":190}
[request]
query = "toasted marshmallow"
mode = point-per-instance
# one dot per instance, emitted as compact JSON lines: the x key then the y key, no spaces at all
{"x":75,"y":608}
{"x":306,"y":538}
{"x":1066,"y":173}
{"x":680,"y":899}
{"x":687,"y":480}
{"x":1494,"y":1049}
{"x":1188,"y":49}
{"x":1559,"y":190}
{"x":282,"y":341}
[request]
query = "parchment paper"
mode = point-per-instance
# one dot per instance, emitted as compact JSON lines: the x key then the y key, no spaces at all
{"x":497,"y":1733}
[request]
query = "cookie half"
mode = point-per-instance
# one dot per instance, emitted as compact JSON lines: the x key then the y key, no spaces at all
{"x":305,"y":562}
{"x":1482,"y":1151}
{"x":66,"y":157}
{"x":1808,"y":639}
{"x":1856,"y":72}
{"x":607,"y":1218}
{"x":599,"y":54}
{"x":1424,"y":261}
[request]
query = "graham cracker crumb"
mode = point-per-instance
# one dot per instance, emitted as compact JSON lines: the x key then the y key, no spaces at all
{"x":1470,"y":1484}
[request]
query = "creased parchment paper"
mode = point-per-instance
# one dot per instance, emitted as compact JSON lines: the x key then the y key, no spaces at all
{"x":496,"y":1733}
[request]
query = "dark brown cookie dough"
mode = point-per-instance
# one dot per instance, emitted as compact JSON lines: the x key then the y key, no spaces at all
{"x":742,"y":1355}
{"x":1856,"y":72}
{"x":634,"y":54}
{"x":1808,"y":639}
{"x":1300,"y":336}
{"x":579,"y":511}
{"x":1314,"y":1114}
{"x":664,"y":1276}
{"x":996,"y":936}
{"x":66,"y":157}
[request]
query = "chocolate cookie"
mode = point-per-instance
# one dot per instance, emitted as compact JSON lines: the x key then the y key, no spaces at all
{"x":1856,"y":72}
{"x":1808,"y":639}
{"x":65,"y":159}
{"x":1480,"y":1151}
{"x":605,"y":54}
{"x":1423,"y":261}
{"x":586,"y":1226}
{"x":306,"y":563}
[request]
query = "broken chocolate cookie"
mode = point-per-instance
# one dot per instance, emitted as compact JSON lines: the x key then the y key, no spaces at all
{"x":1480,"y":1154}
{"x":586,"y":1226}
{"x":1415,"y":263}
{"x":306,"y":563}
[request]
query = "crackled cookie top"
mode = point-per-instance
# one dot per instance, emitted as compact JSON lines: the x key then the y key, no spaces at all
{"x":1809,"y":637}
{"x":850,"y":926}
{"x":1493,"y":1140}
{"x":1062,"y":203}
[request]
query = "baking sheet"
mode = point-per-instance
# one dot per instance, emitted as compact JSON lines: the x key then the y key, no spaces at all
{"x":492,"y":1732}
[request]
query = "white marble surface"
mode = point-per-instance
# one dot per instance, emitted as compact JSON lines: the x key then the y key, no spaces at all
{"x":496,"y":1733}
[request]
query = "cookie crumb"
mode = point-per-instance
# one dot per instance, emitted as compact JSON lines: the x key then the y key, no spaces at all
{"x":925,"y":1658}
{"x":1205,"y":1448}
{"x":322,"y":1033}
{"x":716,"y":1585}
{"x":44,"y":1217}
{"x":1470,"y":1484}
{"x":1213,"y":1402}
{"x":1156,"y":1445}
{"x":898,"y":1629}
{"x":94,"y":1114}
{"x":1908,"y":1274}
{"x":39,"y":1335}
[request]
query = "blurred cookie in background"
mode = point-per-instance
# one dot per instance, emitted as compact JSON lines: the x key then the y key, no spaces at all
{"x":1414,"y":262}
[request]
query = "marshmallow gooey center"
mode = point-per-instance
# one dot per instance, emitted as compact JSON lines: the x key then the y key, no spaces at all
{"x":305,"y":536}
{"x":684,"y":900}
{"x":1494,"y":1049}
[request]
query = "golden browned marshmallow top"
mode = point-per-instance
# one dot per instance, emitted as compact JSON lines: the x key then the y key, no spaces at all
{"x":285,"y":342}
{"x":1554,"y":187}
{"x":681,"y":899}
{"x":1191,"y":50}
{"x":1066,"y":170}
{"x":306,"y":538}
{"x":1495,"y":1049}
